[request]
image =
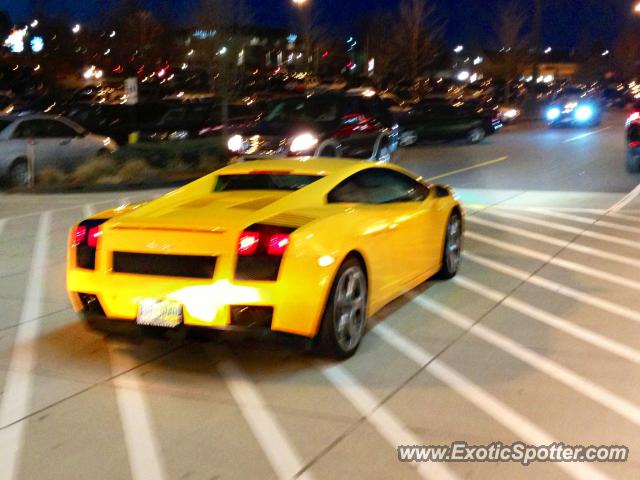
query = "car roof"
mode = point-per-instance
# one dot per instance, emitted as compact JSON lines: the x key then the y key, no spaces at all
{"x":303,"y":166}
{"x":36,"y":116}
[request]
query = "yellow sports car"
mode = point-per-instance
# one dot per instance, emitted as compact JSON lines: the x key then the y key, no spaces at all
{"x":309,"y":247}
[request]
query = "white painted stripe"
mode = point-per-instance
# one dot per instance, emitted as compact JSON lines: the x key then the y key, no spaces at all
{"x":531,"y":208}
{"x":281,"y":454}
{"x":590,"y":221}
{"x":580,"y":384}
{"x":565,"y":228}
{"x":145,"y":457}
{"x":549,"y":259}
{"x":387,"y":425}
{"x":555,"y":241}
{"x":88,"y":210}
{"x":555,"y":287}
{"x":581,"y":333}
{"x":503,"y":414}
{"x":585,"y":135}
{"x":623,"y":216}
{"x":16,"y":396}
{"x":626,"y":200}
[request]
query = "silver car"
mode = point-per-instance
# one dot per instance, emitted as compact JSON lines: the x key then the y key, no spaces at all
{"x":51,"y":141}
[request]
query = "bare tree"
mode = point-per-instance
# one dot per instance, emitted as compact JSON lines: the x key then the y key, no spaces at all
{"x":221,"y":48}
{"x":415,"y":44}
{"x":510,"y":33}
{"x":312,"y":32}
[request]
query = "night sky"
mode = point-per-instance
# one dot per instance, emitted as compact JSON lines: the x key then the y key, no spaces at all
{"x":568,"y":23}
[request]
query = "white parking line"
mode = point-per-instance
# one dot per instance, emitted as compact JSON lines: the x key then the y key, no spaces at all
{"x":589,"y":221}
{"x":549,"y":259}
{"x":556,"y":287}
{"x":584,"y":334}
{"x":622,"y":216}
{"x":585,"y":135}
{"x":626,"y":200}
{"x":387,"y":425}
{"x":555,"y":241}
{"x":483,"y":400}
{"x":566,"y":228}
{"x":16,"y":396}
{"x":145,"y":457}
{"x":595,"y":392}
{"x":274,"y":442}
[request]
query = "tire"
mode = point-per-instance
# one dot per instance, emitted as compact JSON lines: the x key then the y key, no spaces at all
{"x":476,"y":135}
{"x":19,"y":173}
{"x":452,"y":250}
{"x":408,"y":138}
{"x":345,"y":317}
{"x":633,"y":163}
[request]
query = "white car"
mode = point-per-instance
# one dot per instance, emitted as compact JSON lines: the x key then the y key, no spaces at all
{"x":51,"y":141}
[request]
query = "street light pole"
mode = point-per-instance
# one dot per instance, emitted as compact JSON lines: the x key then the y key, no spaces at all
{"x":304,"y":16}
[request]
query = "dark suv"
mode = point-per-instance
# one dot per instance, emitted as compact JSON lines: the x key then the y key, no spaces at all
{"x":355,"y":124}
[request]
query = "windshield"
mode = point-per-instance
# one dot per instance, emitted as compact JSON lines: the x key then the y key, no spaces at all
{"x":264,"y":181}
{"x":304,"y":110}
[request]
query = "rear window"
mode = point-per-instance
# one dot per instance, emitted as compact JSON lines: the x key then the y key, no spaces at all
{"x":264,"y":181}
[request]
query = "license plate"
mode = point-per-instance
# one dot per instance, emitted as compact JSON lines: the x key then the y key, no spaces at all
{"x":159,"y":313}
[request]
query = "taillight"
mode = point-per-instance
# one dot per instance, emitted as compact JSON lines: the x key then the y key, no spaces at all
{"x":260,"y":252}
{"x":248,"y":243}
{"x":278,"y":244}
{"x":84,"y":239}
{"x":634,"y":117}
{"x":93,"y":236}
{"x":79,"y":234}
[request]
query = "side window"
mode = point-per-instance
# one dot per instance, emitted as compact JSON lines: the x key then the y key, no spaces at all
{"x":378,"y":186}
{"x":56,"y":129}
{"x":29,"y":129}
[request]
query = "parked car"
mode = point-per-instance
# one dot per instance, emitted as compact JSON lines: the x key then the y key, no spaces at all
{"x":444,"y":120}
{"x":632,"y":135}
{"x":336,"y":124}
{"x":116,"y":121}
{"x":51,"y":141}
{"x":197,"y":119}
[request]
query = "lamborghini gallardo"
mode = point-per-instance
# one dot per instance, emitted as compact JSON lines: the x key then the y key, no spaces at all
{"x":309,"y":247}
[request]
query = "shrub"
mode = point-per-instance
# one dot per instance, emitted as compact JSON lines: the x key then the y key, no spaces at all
{"x":51,"y":176}
{"x":135,"y":170}
{"x":93,"y":170}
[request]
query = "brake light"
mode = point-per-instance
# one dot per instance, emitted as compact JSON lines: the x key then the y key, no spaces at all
{"x":93,"y":236}
{"x":634,"y":117}
{"x":248,"y":243}
{"x":79,"y":235}
{"x":278,"y":244}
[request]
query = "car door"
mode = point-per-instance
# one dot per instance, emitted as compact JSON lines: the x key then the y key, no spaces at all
{"x":396,"y":220}
{"x":70,"y":146}
{"x":32,"y":136}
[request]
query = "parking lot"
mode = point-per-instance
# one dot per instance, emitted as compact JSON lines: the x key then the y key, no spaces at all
{"x":535,"y":341}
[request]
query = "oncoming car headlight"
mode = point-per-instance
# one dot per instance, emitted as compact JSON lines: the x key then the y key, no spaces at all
{"x":553,"y":113}
{"x":584,"y":113}
{"x":303,"y":143}
{"x":236,"y":144}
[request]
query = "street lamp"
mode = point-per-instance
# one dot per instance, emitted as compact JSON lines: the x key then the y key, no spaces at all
{"x":636,"y":8}
{"x":76,"y":28}
{"x":300,"y":3}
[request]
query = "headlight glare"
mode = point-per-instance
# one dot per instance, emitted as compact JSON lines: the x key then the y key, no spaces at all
{"x":303,"y":143}
{"x":236,"y":144}
{"x":553,"y":113}
{"x":584,"y":113}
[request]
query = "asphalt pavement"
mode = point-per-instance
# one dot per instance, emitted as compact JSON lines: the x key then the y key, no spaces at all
{"x":535,"y":341}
